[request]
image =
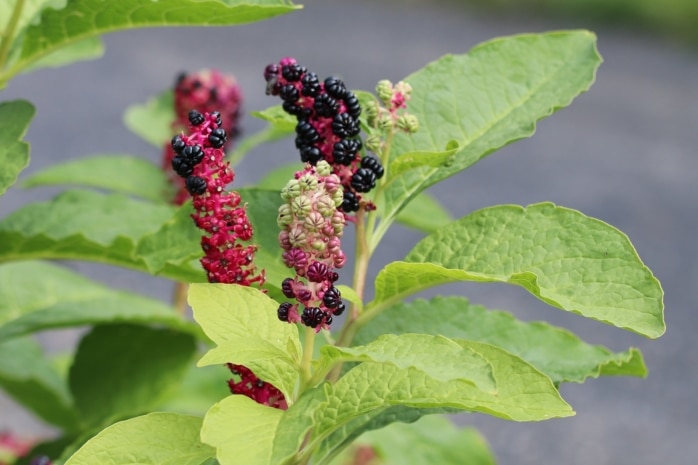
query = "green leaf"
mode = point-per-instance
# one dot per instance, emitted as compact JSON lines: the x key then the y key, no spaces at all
{"x":432,"y":439}
{"x":561,"y":256}
{"x":144,"y":179}
{"x":279,"y":121}
{"x":435,"y":356}
{"x":27,"y":376}
{"x":153,"y":439}
{"x":200,"y":388}
{"x":81,"y":19}
{"x":122,"y":370}
{"x":424,"y":213}
{"x":281,"y":125}
{"x":276,"y":179}
{"x":87,"y":49}
{"x":561,"y":355}
{"x":87,"y":225}
{"x":14,"y":153}
{"x":484,"y":100}
{"x":242,"y":322}
{"x":152,"y":120}
{"x":61,"y":298}
{"x":241,"y":430}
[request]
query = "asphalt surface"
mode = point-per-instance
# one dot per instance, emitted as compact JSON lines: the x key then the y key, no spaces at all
{"x":625,"y":152}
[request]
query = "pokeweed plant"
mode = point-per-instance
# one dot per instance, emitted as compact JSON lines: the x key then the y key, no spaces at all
{"x":301,"y":364}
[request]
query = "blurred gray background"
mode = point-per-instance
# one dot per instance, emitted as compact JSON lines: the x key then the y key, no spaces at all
{"x":624,"y":152}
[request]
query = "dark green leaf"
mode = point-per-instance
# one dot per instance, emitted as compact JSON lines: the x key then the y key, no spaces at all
{"x":27,"y":375}
{"x":143,"y":179}
{"x":36,"y":296}
{"x":556,"y":352}
{"x":14,"y":153}
{"x":122,"y":370}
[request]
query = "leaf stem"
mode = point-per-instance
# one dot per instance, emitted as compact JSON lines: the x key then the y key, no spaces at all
{"x":180,"y":297}
{"x":308,"y":348}
{"x":9,"y":33}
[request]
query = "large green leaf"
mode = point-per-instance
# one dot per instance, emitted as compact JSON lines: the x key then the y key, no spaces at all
{"x":435,"y":356}
{"x":483,"y":100}
{"x":241,"y":430}
{"x":153,"y":439}
{"x":86,"y":49}
{"x":139,"y":176}
{"x":242,"y":322}
{"x":561,"y":355}
{"x":87,"y":225}
{"x":424,"y":213}
{"x":81,"y":19}
{"x":281,"y":125}
{"x":36,"y":296}
{"x":122,"y":370}
{"x":561,"y":256}
{"x":27,"y":375}
{"x":152,"y":120}
{"x":14,"y":153}
{"x":431,"y":440}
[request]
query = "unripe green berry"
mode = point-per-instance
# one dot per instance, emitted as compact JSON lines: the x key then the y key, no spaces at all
{"x":291,"y":190}
{"x":384,"y":90}
{"x":319,"y":245}
{"x":297,"y":237}
{"x":374,"y":143}
{"x":323,"y":168}
{"x":308,"y":182}
{"x":327,"y":205}
{"x":314,"y":221}
{"x":408,"y":123}
{"x":338,"y":198}
{"x":385,"y":121}
{"x":301,"y":205}
{"x":285,"y":215}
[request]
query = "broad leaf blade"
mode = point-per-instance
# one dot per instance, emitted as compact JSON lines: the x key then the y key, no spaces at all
{"x":153,"y":439}
{"x":561,"y":355}
{"x":242,"y":322}
{"x":86,"y":49}
{"x":141,"y":178}
{"x":241,"y":430}
{"x":109,"y":377}
{"x":26,"y":375}
{"x":424,"y":213}
{"x":81,"y":19}
{"x":14,"y":153}
{"x":61,"y":298}
{"x":152,"y":120}
{"x":486,"y":99}
{"x":87,"y":225}
{"x":571,"y":261}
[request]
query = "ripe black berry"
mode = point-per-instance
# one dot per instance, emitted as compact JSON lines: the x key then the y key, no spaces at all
{"x":195,"y":185}
{"x":307,"y":133}
{"x":332,"y":297}
{"x":292,"y":72}
{"x":344,"y":152}
{"x":350,"y":203}
{"x":313,"y":316}
{"x":193,"y":154}
{"x":311,"y":85}
{"x":217,"y":115}
{"x":181,"y":166}
{"x":340,"y":309}
{"x":287,"y":288}
{"x":373,"y":164}
{"x":217,"y":138}
{"x":325,"y":106}
{"x":311,"y":154}
{"x":352,"y":104}
{"x":335,"y":87}
{"x":289,"y":93}
{"x":343,"y":125}
{"x":282,"y":312}
{"x":363,"y":180}
{"x":178,"y":144}
{"x":195,"y":118}
{"x":291,"y":108}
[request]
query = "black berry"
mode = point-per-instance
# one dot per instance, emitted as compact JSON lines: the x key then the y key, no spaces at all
{"x":287,"y":288}
{"x":289,"y":93}
{"x":363,"y":180}
{"x":310,"y":154}
{"x":352,"y":104}
{"x":195,"y":118}
{"x":340,"y":309}
{"x":195,"y":185}
{"x":325,"y":106}
{"x":313,"y":316}
{"x":332,"y":297}
{"x":307,"y":133}
{"x":282,"y":312}
{"x":373,"y":164}
{"x":178,"y":144}
{"x":335,"y":87}
{"x":343,"y":125}
{"x":217,"y":138}
{"x":344,"y":152}
{"x":350,"y":203}
{"x":181,"y":166}
{"x":311,"y":85}
{"x":193,"y":154}
{"x":292,"y":72}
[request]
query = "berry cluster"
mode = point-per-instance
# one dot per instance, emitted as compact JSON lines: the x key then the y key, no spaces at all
{"x":311,"y":228}
{"x":199,"y":160}
{"x":254,"y":388}
{"x":328,"y":127}
{"x":205,"y":91}
{"x":390,"y":115}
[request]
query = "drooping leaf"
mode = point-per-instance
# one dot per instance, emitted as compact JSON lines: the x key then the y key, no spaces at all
{"x":82,"y":50}
{"x":123,"y":370}
{"x":281,"y":125}
{"x":432,"y":439}
{"x":81,"y":19}
{"x":424,"y":213}
{"x":153,"y":439}
{"x":87,"y":225}
{"x":484,"y":100}
{"x":35,"y":296}
{"x":141,"y":178}
{"x":27,"y":375}
{"x":561,"y":355}
{"x":241,"y":430}
{"x":435,"y":356}
{"x":152,"y":120}
{"x":14,"y":152}
{"x":561,"y":256}
{"x":242,"y":322}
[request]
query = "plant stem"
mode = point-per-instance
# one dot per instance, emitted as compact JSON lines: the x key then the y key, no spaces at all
{"x":308,"y":347}
{"x":180,"y":297}
{"x":9,"y":33}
